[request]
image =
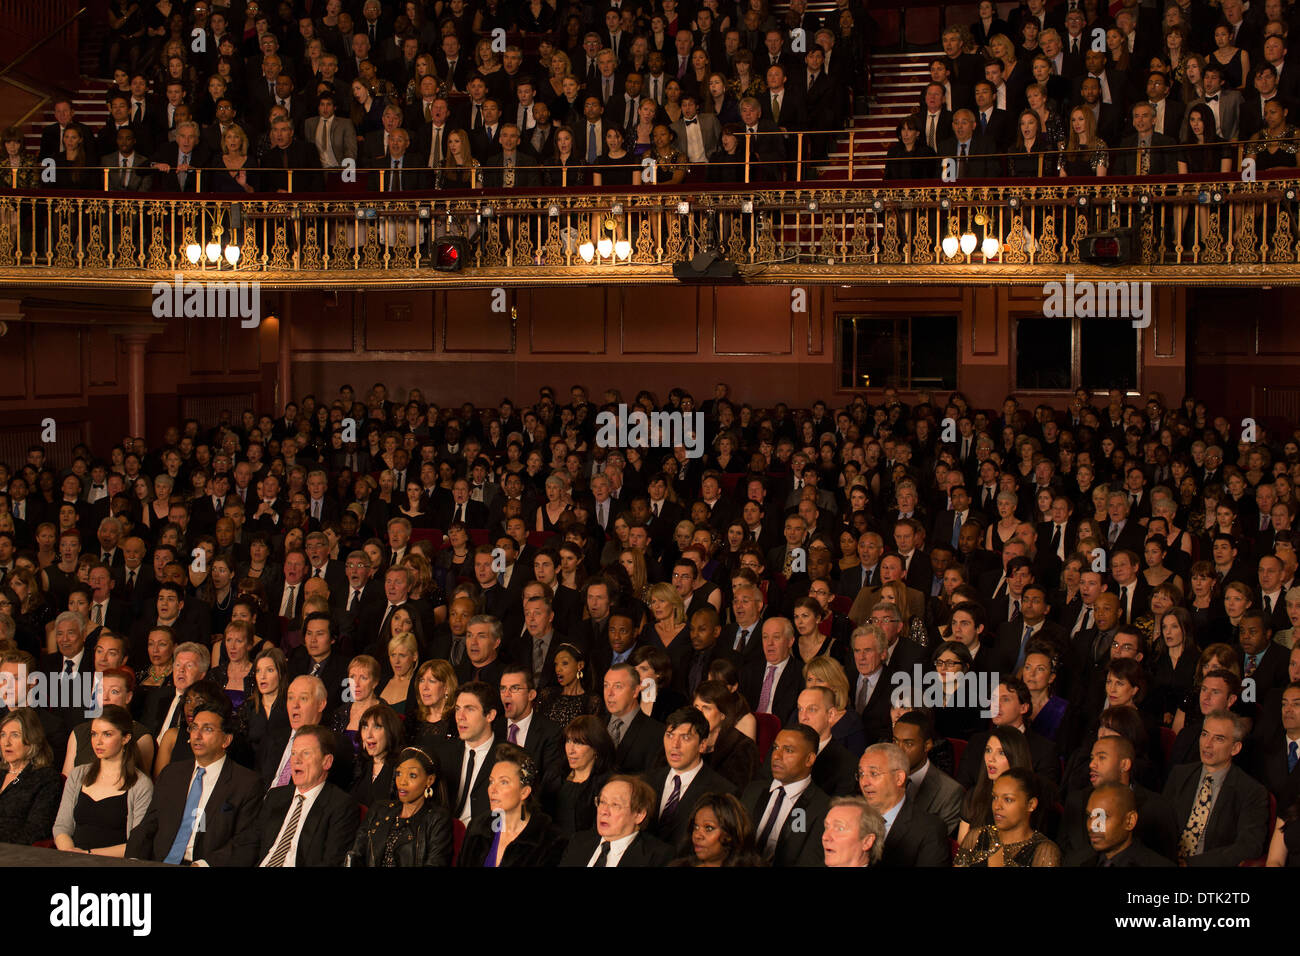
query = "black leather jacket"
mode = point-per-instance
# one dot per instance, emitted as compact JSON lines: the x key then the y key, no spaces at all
{"x":428,"y":844}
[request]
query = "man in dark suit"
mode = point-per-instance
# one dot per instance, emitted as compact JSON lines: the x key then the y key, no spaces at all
{"x":1146,"y":152}
{"x":288,"y":153}
{"x":402,"y":169}
{"x":461,"y":507}
{"x":211,"y":790}
{"x":1263,"y":661}
{"x":766,"y":148}
{"x":835,"y":771}
{"x":787,"y":837}
{"x":624,"y":813}
{"x":467,"y":758}
{"x":106,"y":608}
{"x":1111,"y":763}
{"x":1113,"y":819}
{"x":933,"y":117}
{"x":525,"y":727}
{"x":913,"y":838}
{"x":706,"y":647}
{"x":743,"y":636}
{"x":1119,"y":530}
{"x":1107,"y":117}
{"x":310,"y":822}
{"x":968,"y":150}
{"x":316,"y":657}
{"x":685,"y":779}
{"x":52,"y":135}
{"x":1031,"y":625}
{"x":1222,"y":812}
{"x":638,"y":739}
{"x":869,"y":690}
{"x":963,"y":67}
{"x":175,"y":163}
{"x":995,"y":125}
{"x":774,"y":682}
{"x":1276,"y":762}
{"x":511,"y":167}
{"x":129,"y":171}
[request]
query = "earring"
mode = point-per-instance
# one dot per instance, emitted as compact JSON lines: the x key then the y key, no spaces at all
{"x":428,"y":792}
{"x":579,"y":675}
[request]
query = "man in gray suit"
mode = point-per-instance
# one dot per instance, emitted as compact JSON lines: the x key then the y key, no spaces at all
{"x":698,"y":134}
{"x":932,"y":789}
{"x":128,"y":171}
{"x":334,"y":137}
{"x":1223,"y":101}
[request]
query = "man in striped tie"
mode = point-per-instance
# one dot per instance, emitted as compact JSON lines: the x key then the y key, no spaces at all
{"x":310,"y":822}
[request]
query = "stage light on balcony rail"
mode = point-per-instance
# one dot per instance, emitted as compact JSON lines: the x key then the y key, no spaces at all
{"x":1082,"y":201}
{"x":951,"y":246}
{"x":1144,"y":199}
{"x":552,"y":210}
{"x":616,"y":209}
{"x":968,"y":242}
{"x":1290,"y":195}
{"x":213,"y":251}
{"x":194,"y":252}
{"x":232,"y":254}
{"x":945,"y":203}
{"x":623,"y":249}
{"x":878,"y":206}
{"x":683,"y":208}
{"x":424,"y":212}
{"x":991,"y":248}
{"x":1014,"y":202}
{"x":747,"y":207}
{"x":812,"y":205}
{"x":605,"y":247}
{"x":587,"y":251}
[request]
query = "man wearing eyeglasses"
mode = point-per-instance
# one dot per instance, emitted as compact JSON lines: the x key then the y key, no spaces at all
{"x":623,"y":811}
{"x":912,"y":836}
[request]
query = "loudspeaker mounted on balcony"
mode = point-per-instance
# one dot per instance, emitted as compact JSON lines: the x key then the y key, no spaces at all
{"x":450,"y":253}
{"x":1111,"y":247}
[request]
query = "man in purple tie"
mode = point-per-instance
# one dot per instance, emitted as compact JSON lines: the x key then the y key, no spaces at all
{"x":774,"y":682}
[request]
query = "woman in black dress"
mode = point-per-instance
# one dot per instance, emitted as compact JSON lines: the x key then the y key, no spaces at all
{"x":910,"y":157}
{"x":988,"y":24}
{"x":567,"y":167}
{"x":429,"y":719}
{"x":1031,"y":156}
{"x":30,"y":790}
{"x":515,"y":832}
{"x":727,"y":162}
{"x":726,"y":750}
{"x":1203,"y":153}
{"x":381,"y":738}
{"x":413,"y":830}
{"x":568,"y":699}
{"x":616,"y":167}
{"x":1085,"y":151}
{"x":1274,"y":146}
{"x":105,"y":799}
{"x":589,"y":752}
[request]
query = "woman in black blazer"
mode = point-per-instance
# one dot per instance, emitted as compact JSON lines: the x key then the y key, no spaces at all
{"x":413,"y":830}
{"x":31,"y":788}
{"x":910,"y":157}
{"x":515,"y":832}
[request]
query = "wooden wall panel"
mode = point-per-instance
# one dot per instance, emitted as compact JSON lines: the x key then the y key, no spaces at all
{"x":470,"y":325}
{"x":103,"y":358}
{"x":664,"y":320}
{"x":571,"y":320}
{"x":244,"y":348}
{"x":205,"y":345}
{"x":758,"y":320}
{"x":322,"y":322}
{"x":56,"y":361}
{"x":398,"y":321}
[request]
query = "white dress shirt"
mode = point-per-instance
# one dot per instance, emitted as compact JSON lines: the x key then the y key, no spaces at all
{"x":793,"y":791}
{"x":616,"y":850}
{"x":523,"y":726}
{"x":480,"y":758}
{"x":688,"y":777}
{"x":210,"y":775}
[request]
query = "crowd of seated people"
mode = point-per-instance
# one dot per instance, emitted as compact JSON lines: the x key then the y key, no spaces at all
{"x":1175,"y":88}
{"x":942,"y":635}
{"x":211,"y":97}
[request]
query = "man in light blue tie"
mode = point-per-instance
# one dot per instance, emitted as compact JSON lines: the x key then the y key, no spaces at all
{"x":199,"y":809}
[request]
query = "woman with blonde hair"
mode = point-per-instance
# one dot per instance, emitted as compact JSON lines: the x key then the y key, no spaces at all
{"x":666,"y":627}
{"x":403,"y":654}
{"x":847,"y":729}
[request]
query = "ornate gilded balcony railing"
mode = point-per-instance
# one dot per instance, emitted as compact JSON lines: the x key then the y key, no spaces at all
{"x":1182,"y":230}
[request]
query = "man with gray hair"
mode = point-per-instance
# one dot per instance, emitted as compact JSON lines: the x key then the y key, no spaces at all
{"x":774,"y":681}
{"x":305,"y":700}
{"x":178,"y":161}
{"x":190,"y":663}
{"x":912,"y":836}
{"x":854,"y":835}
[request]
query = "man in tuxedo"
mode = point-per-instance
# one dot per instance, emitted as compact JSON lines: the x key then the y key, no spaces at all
{"x":129,"y":171}
{"x":1276,"y":758}
{"x":774,"y":682}
{"x":201,"y":808}
{"x":467,"y":758}
{"x":1111,"y":763}
{"x":680,"y":784}
{"x":698,"y":134}
{"x":625,"y":810}
{"x":930,"y":789}
{"x":969,"y":150}
{"x":310,"y":822}
{"x":1223,"y":813}
{"x":913,"y":838}
{"x":453,"y":64}
{"x":835,"y":769}
{"x":1107,"y":118}
{"x":1225,"y":103}
{"x":638,"y":739}
{"x":174,"y":164}
{"x":461,"y":507}
{"x":1146,"y":152}
{"x":1113,"y":820}
{"x":524,"y":727}
{"x":787,"y":837}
